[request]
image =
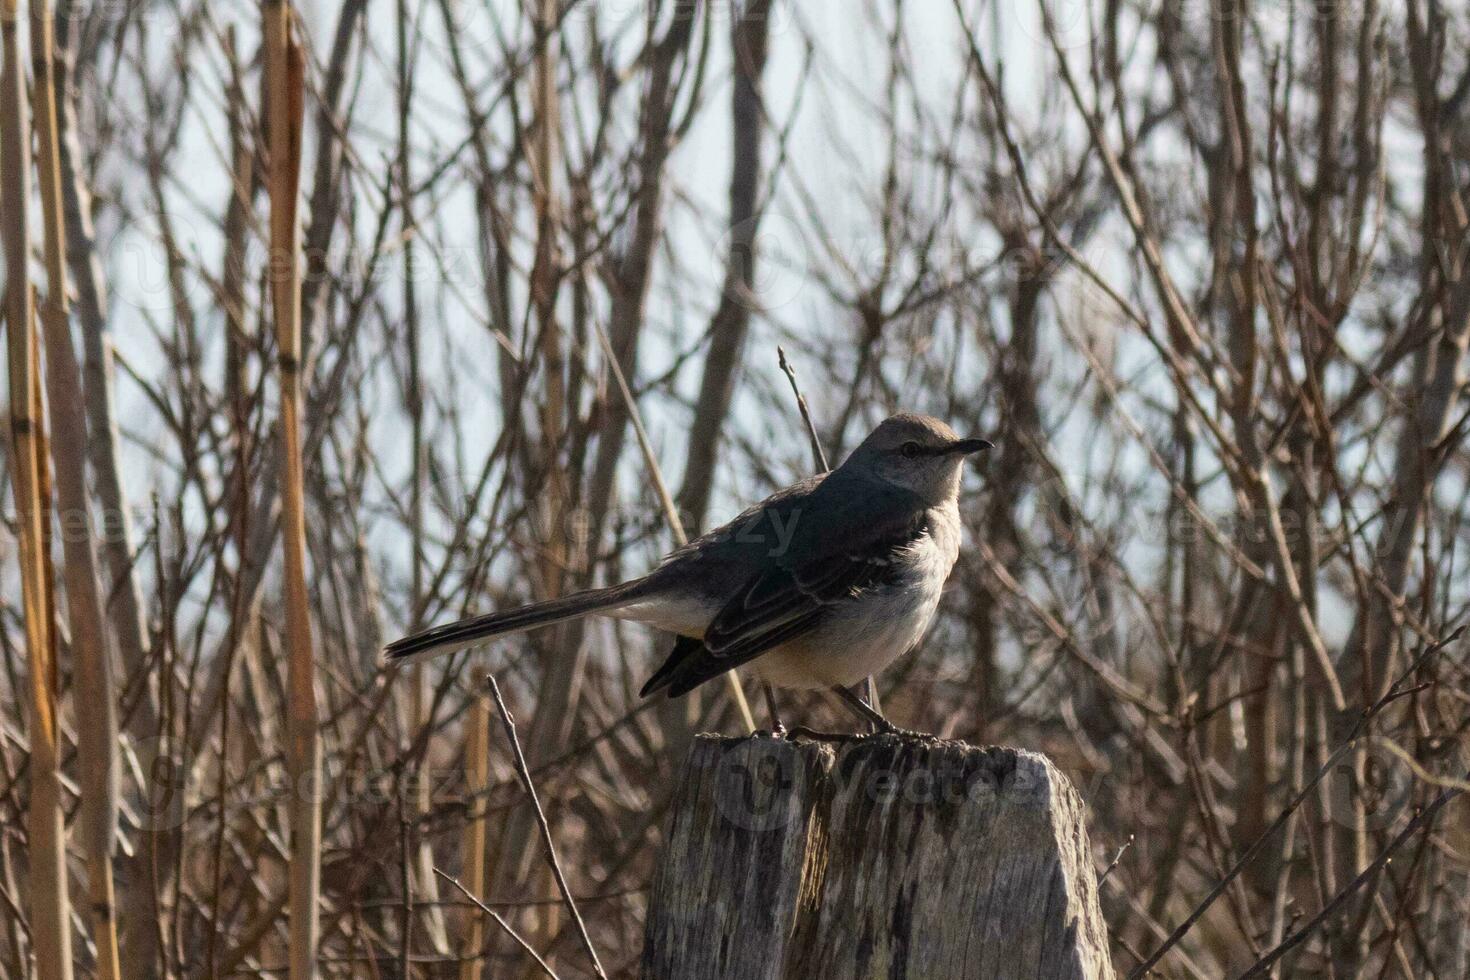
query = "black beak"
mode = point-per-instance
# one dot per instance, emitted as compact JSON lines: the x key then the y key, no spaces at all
{"x":968,"y":446}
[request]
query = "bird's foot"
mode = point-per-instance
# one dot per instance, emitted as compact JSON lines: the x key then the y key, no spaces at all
{"x":816,"y":735}
{"x":802,"y":731}
{"x":896,"y":732}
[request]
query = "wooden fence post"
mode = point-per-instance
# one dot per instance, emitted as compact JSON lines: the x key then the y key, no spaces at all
{"x":876,"y":858}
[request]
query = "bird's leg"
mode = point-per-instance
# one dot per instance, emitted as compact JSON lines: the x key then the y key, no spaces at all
{"x":872,"y":716}
{"x":870,"y":695}
{"x":777,"y":729}
{"x":862,"y":709}
{"x":802,"y":731}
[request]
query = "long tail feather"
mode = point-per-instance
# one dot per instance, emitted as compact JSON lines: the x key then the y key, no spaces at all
{"x":451,"y":637}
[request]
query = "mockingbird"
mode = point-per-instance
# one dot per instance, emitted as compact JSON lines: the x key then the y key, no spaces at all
{"x":818,"y":586}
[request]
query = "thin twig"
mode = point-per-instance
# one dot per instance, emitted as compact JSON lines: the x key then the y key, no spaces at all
{"x":524,"y":772}
{"x":818,"y":453}
{"x":870,"y":684}
{"x":1116,"y":858}
{"x":509,"y":931}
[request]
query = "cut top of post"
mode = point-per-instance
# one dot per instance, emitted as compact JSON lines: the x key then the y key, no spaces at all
{"x":883,"y":857}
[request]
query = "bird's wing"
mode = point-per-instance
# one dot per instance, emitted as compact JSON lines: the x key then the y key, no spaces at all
{"x":788,"y":600}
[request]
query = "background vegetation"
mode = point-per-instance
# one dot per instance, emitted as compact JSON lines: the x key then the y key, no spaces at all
{"x":346,"y":314}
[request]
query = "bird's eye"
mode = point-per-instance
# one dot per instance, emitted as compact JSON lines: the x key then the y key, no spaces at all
{"x":911,"y":450}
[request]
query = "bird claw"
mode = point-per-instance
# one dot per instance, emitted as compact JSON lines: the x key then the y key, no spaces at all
{"x":897,"y":732}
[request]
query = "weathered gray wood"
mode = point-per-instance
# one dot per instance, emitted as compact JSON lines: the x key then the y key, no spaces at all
{"x":878,"y":858}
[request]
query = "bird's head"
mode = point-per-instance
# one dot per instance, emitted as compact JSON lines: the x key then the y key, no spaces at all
{"x":916,"y":452}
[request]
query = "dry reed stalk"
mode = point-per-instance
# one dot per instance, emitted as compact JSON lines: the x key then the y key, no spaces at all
{"x":124,"y":607}
{"x":545,"y":152}
{"x":554,"y":495}
{"x":49,"y":904}
{"x":97,"y":724}
{"x":54,"y":798}
{"x":285,"y":75}
{"x":477,"y":770}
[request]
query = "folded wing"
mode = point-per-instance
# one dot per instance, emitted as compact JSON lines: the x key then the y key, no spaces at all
{"x":789,"y":599}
